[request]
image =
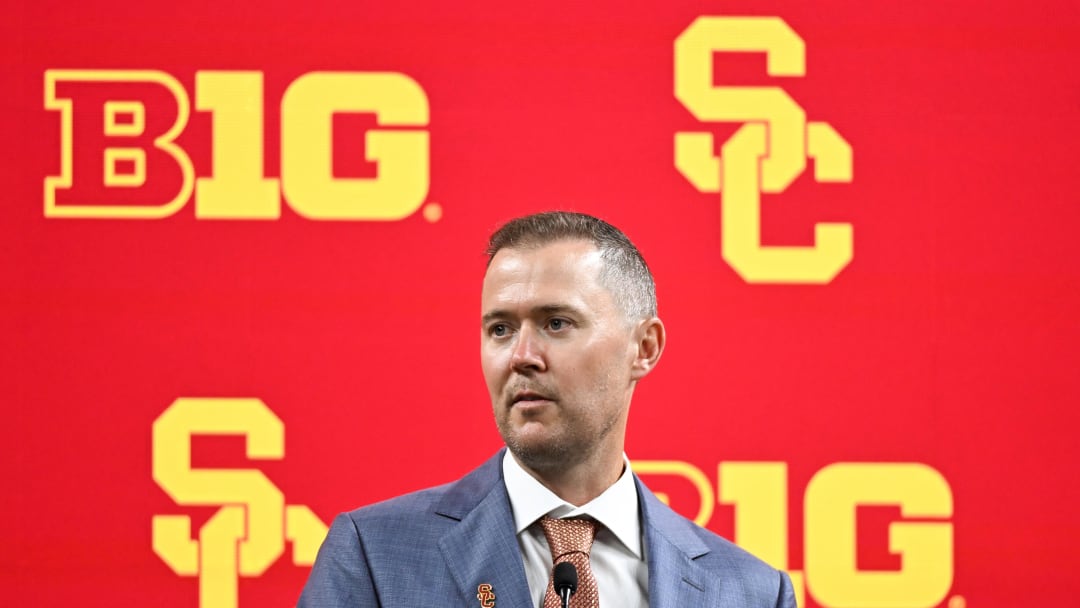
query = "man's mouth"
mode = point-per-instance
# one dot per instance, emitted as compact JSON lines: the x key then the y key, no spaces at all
{"x":527,"y":397}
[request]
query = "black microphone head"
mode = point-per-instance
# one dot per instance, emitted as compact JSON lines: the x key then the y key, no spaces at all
{"x":564,"y":577}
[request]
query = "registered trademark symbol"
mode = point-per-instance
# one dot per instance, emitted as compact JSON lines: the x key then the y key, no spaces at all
{"x":432,"y":212}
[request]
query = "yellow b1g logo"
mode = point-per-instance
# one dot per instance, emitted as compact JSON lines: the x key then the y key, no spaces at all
{"x":759,"y":492}
{"x":775,"y":136}
{"x":131,"y":164}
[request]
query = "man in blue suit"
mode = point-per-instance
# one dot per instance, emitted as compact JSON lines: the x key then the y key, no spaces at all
{"x":569,"y":327}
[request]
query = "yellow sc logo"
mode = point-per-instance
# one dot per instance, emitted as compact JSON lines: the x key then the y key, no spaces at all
{"x":248,"y":533}
{"x":765,"y":155}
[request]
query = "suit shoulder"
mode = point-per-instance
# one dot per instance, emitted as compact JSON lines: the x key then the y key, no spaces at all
{"x":691,"y":538}
{"x":749,"y":580}
{"x":745,"y":580}
{"x":405,"y":506}
{"x":730,"y":551}
{"x":451,"y":500}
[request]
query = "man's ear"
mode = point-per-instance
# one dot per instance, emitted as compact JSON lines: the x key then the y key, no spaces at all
{"x":650,"y":337}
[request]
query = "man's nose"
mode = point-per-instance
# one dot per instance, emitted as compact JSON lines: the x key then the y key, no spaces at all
{"x":528,"y":355}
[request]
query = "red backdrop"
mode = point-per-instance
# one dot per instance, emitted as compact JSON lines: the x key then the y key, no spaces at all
{"x":917,"y":402}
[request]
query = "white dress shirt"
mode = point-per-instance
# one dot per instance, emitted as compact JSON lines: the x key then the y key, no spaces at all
{"x":618,"y":554}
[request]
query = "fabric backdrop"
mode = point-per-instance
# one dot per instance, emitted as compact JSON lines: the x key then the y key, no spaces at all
{"x":242,"y":253}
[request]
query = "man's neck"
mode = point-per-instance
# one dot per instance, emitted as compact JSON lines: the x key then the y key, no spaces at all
{"x":581,"y":483}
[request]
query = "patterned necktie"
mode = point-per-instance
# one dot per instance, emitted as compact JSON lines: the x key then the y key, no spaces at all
{"x":570,"y":541}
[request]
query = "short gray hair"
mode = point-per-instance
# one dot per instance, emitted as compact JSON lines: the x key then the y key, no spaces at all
{"x":624,"y":271}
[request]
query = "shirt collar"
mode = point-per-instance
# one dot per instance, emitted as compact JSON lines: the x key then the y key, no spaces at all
{"x":616,"y":508}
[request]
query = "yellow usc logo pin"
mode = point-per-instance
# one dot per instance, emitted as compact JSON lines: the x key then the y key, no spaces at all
{"x":486,"y":596}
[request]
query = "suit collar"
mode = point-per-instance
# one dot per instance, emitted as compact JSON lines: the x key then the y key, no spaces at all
{"x":671,"y":546}
{"x":616,"y":508}
{"x":483,"y":547}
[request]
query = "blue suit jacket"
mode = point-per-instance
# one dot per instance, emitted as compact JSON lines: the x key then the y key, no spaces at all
{"x":436,"y":546}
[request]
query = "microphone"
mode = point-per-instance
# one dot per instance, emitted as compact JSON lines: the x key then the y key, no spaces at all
{"x":564,"y":579}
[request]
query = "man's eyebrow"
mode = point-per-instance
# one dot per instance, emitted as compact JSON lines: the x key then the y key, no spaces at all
{"x":493,"y":315}
{"x":551,"y":309}
{"x":545,"y":310}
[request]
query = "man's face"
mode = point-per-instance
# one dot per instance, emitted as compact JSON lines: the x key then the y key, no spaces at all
{"x":557,"y":354}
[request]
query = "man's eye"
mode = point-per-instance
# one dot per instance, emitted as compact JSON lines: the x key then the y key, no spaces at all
{"x":557,"y":324}
{"x":499,"y":330}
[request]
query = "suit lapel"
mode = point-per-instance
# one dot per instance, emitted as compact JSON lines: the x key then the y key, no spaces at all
{"x":482,"y":547}
{"x":671,"y":546}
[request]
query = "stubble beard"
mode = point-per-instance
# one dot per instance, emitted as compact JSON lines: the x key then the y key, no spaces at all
{"x":551,"y":456}
{"x":569,"y":445}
